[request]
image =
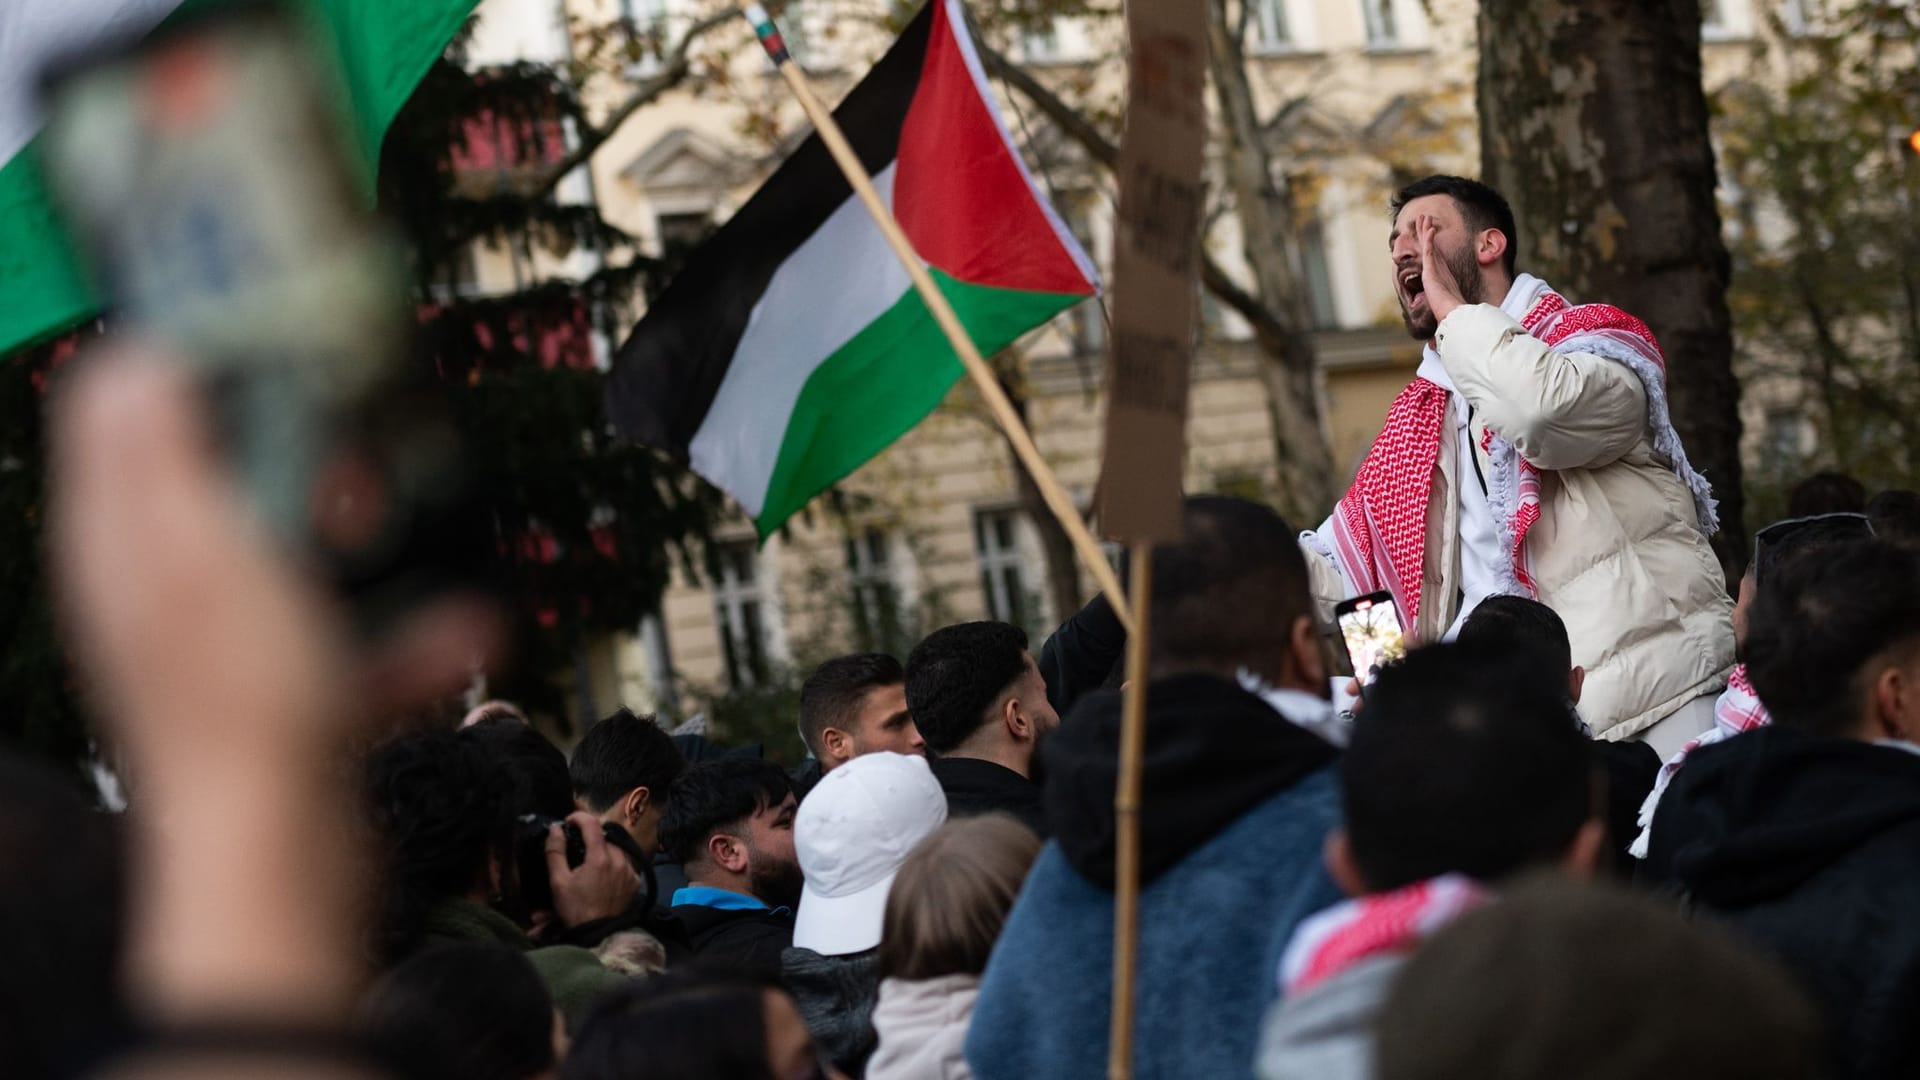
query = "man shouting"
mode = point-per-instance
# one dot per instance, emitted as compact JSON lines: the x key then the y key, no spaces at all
{"x":1533,"y":454}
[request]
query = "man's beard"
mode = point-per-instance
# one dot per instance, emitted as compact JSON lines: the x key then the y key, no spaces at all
{"x":1466,"y":274}
{"x":776,"y":883}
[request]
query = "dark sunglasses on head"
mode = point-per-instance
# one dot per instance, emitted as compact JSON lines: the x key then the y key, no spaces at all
{"x":1779,"y":539}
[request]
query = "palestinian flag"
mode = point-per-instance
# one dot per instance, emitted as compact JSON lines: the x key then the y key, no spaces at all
{"x":384,"y":46}
{"x":792,"y":348}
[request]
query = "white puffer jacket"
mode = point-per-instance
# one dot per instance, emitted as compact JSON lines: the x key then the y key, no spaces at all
{"x":1617,"y":552}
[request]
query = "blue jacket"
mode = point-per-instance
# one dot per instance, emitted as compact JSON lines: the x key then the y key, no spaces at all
{"x":1213,"y":923}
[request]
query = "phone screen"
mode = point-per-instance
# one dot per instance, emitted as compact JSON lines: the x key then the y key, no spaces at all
{"x":1370,"y":627}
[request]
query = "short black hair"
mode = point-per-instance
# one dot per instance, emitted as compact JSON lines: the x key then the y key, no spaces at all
{"x":687,"y":1022}
{"x":1523,"y":628}
{"x":621,"y":753}
{"x":831,"y":696}
{"x":1228,"y":594}
{"x":718,"y":796}
{"x":538,"y":768}
{"x":462,"y":1011}
{"x":956,"y":674}
{"x":1827,"y":492}
{"x":1481,"y":207}
{"x":1461,"y":764}
{"x":1896,"y":517}
{"x":1819,"y":620}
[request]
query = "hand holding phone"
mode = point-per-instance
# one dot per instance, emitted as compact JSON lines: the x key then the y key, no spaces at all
{"x":1370,"y":629}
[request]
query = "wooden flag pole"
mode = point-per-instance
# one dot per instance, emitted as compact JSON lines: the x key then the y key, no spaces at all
{"x":1126,"y":816}
{"x":1056,"y":497}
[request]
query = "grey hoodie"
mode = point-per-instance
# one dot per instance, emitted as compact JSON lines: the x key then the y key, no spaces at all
{"x":835,"y":996}
{"x":1327,"y":1032}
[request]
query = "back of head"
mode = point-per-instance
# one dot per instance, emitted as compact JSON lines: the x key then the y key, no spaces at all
{"x":956,"y":674}
{"x":462,"y":1012}
{"x":61,"y":894}
{"x":833,"y":694}
{"x":1790,"y":539}
{"x":439,"y":805}
{"x":1481,"y":207}
{"x":1583,"y":983}
{"x":682,"y":1025}
{"x":1821,"y":623}
{"x":538,"y":769}
{"x":1826,"y":493}
{"x":621,"y":753}
{"x":1896,"y":517}
{"x":1459,"y":764}
{"x":718,"y":795}
{"x":1228,"y":595}
{"x":1525,"y":630}
{"x":952,"y":895}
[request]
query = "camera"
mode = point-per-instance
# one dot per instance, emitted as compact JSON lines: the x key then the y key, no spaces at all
{"x":530,"y":856}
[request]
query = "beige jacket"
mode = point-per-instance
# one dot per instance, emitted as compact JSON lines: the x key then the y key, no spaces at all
{"x":1618,"y":550}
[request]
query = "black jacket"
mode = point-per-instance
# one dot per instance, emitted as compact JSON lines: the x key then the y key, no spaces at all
{"x":977,"y":787}
{"x":1081,"y":656}
{"x":737,"y":940}
{"x":1811,"y":848}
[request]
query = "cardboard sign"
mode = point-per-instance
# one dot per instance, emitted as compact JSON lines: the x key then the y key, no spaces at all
{"x":1156,"y":255}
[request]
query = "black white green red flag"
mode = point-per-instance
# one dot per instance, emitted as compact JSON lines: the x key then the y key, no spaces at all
{"x":792,"y":348}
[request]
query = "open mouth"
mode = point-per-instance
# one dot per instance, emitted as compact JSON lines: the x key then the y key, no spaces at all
{"x":1412,"y":289}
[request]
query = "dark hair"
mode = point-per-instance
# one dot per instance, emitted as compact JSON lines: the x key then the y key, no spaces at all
{"x":621,"y":753}
{"x":461,"y":1011}
{"x":1793,"y":538}
{"x":1462,"y":764}
{"x":680,"y":1025}
{"x":1819,"y":621}
{"x":955,"y":676}
{"x":1481,"y":207}
{"x":1827,"y":492}
{"x":1526,"y":630}
{"x":1228,"y":594}
{"x":832,"y":695}
{"x":1896,"y":517}
{"x":1558,"y":979}
{"x":61,"y":925}
{"x":440,"y":805}
{"x":951,"y":897}
{"x":541,"y":784}
{"x":718,"y":796}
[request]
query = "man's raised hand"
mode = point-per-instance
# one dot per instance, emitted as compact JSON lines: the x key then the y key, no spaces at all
{"x":1436,"y":277}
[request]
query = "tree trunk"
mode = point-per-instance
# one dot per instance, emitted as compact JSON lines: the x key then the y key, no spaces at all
{"x":1302,"y":458}
{"x":1593,"y":123}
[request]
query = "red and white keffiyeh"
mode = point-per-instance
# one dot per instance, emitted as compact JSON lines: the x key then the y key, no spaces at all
{"x":1379,"y":530}
{"x":1737,"y":710}
{"x":1343,"y":935}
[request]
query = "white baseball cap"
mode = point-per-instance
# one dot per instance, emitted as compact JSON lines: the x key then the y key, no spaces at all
{"x":852,"y":833}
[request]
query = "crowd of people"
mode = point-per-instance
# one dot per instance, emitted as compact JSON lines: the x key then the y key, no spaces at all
{"x":1666,"y":837}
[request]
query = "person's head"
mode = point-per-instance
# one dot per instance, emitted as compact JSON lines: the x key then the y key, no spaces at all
{"x":1827,"y":492}
{"x":1896,"y":517}
{"x":62,"y":891}
{"x":621,"y":771}
{"x":1784,"y":541}
{"x":1477,"y":240}
{"x":853,"y":705}
{"x":1833,"y":643}
{"x":442,"y":810}
{"x":538,"y":768}
{"x":1462,"y":764}
{"x":493,"y":710}
{"x":853,"y":832}
{"x":1233,"y":594}
{"x":975,"y":691}
{"x":1564,"y":980}
{"x":729,"y":824}
{"x":1527,"y":632}
{"x":692,"y":1024}
{"x":952,"y":896}
{"x":463,"y":1011}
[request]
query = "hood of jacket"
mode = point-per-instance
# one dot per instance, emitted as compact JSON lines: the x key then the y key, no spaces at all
{"x":922,"y":1025}
{"x":1327,"y":1032}
{"x":1213,"y":752}
{"x":1757,"y":815}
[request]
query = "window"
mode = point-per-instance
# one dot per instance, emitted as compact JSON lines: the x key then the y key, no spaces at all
{"x":1042,"y":42}
{"x":644,"y":15}
{"x":740,"y":609}
{"x":1798,"y":16}
{"x":876,"y":594}
{"x":1314,"y":276}
{"x":682,"y":232}
{"x":996,"y":536}
{"x":1270,"y":30}
{"x":1087,"y":320}
{"x":1380,"y":25}
{"x":1713,"y":20}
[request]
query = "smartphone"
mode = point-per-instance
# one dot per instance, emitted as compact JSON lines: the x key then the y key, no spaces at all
{"x":1370,"y":628}
{"x":209,"y":182}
